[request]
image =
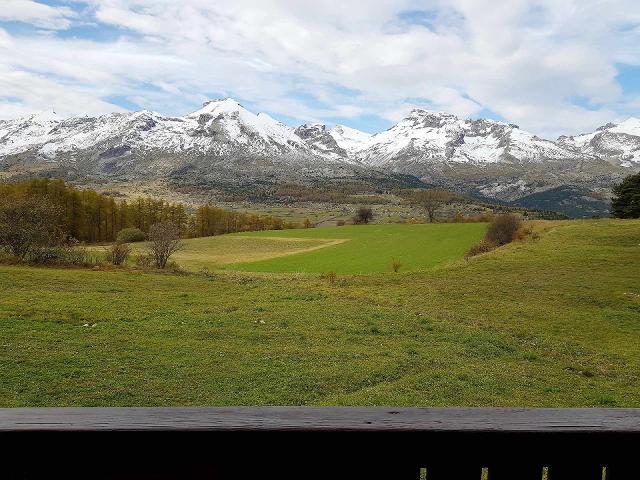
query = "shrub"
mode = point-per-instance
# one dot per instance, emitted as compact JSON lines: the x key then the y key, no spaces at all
{"x":118,"y":253}
{"x":131,"y":235}
{"x":503,"y":229}
{"x":479,"y":248}
{"x":164,"y":241}
{"x":63,"y":255}
{"x":395,"y":265}
{"x":363,"y":216}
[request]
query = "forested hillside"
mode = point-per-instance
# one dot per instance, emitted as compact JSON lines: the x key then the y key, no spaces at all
{"x":89,"y":216}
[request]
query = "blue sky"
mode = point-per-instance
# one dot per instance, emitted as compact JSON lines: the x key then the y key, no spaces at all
{"x":363,"y":63}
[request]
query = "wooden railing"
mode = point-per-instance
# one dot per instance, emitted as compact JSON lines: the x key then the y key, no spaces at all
{"x":328,"y":443}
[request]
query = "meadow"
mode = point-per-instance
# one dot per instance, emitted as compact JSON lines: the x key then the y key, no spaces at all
{"x":553,"y":322}
{"x":218,"y":252}
{"x":371,"y":248}
{"x":352,"y":249}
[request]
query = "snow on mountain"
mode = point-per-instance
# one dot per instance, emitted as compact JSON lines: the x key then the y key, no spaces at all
{"x":219,"y":127}
{"x":242,"y":126}
{"x":22,"y":134}
{"x":319,"y":138}
{"x":631,"y":126}
{"x":224,"y":127}
{"x":350,"y":139}
{"x":222,"y":142}
{"x":429,"y":137}
{"x":616,"y":143}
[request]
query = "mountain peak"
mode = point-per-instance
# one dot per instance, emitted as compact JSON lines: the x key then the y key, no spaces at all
{"x":343,"y":129}
{"x":631,"y":126}
{"x":425,"y":112}
{"x":313,"y":125}
{"x":216,"y":106}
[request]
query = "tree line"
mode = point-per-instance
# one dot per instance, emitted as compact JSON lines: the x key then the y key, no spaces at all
{"x":88,"y":216}
{"x":208,"y":221}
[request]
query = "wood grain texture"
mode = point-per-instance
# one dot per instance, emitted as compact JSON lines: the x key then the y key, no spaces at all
{"x":322,"y":419}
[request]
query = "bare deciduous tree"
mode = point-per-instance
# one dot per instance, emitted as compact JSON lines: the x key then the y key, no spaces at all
{"x":363,"y":216}
{"x":27,"y":222}
{"x":431,"y":200}
{"x":164,"y":241}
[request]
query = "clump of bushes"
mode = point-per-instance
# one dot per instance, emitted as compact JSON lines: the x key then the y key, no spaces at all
{"x":131,"y":235}
{"x":503,"y":229}
{"x":61,"y":255}
{"x":118,"y":253}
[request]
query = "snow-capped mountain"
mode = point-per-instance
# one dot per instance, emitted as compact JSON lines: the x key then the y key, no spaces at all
{"x":319,"y":138}
{"x":223,"y":143}
{"x":337,"y":142}
{"x":219,"y":126}
{"x":350,"y":140}
{"x":436,"y":137}
{"x":619,"y":144}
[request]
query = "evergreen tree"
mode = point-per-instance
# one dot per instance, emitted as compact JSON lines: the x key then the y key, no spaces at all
{"x":626,"y":203}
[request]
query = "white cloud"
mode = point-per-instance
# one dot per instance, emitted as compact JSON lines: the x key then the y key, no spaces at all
{"x":40,"y":94}
{"x":35,"y":13}
{"x":526,"y":60}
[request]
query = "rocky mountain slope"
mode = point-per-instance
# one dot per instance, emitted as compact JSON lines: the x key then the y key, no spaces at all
{"x":432,"y":137}
{"x":225,"y":144}
{"x":221,"y":143}
{"x":619,"y":144}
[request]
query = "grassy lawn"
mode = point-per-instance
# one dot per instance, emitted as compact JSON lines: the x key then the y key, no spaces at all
{"x":551,"y":322}
{"x":371,"y":248}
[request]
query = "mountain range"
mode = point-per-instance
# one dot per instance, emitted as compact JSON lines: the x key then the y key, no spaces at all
{"x":223,"y":145}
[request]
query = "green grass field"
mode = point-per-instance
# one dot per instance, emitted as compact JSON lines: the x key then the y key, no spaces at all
{"x":346,"y":250}
{"x":371,"y":248}
{"x":548,"y":322}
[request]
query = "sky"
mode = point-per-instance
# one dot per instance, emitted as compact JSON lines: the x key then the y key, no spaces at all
{"x":550,"y":66}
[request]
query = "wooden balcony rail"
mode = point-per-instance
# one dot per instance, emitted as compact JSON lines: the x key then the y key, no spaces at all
{"x":327,"y":443}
